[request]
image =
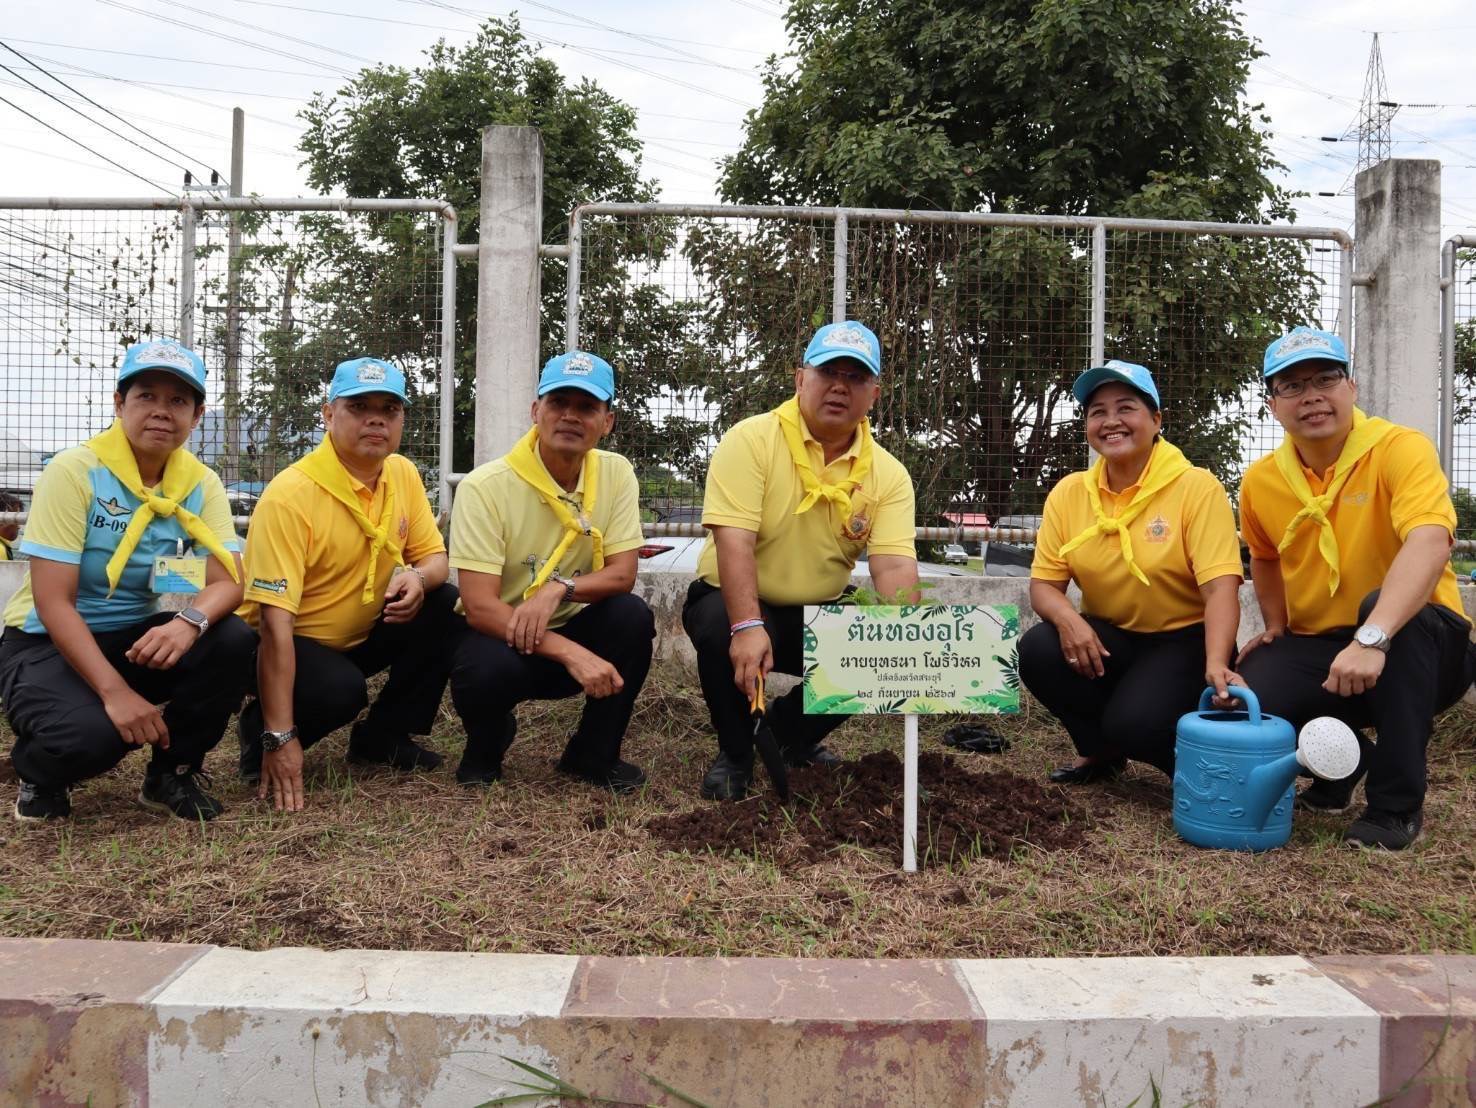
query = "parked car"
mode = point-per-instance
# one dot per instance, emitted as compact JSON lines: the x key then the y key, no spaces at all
{"x":954,"y":554}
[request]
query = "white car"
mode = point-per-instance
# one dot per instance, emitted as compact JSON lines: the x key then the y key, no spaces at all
{"x":955,"y":554}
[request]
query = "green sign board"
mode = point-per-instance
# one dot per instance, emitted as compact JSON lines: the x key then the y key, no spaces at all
{"x":916,"y":659}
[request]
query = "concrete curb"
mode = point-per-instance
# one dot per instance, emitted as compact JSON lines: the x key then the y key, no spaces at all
{"x":114,"y":1023}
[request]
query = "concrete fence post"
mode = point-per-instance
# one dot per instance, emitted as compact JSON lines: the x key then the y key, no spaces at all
{"x":1397,"y":322}
{"x":510,"y":232}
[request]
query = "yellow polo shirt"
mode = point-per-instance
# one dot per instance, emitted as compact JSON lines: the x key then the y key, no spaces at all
{"x":1396,"y":487}
{"x":500,"y":524}
{"x":1183,"y":539}
{"x":305,"y":552}
{"x":752,"y":484}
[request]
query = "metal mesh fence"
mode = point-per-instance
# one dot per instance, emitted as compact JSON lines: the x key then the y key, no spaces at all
{"x":983,"y":327}
{"x":275,"y":306}
{"x":1461,"y":348}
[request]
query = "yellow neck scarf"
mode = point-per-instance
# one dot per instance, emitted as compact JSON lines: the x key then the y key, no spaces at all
{"x":817,"y":490}
{"x":328,"y":473}
{"x":1166,"y":464}
{"x":182,"y":472}
{"x":1364,"y":436}
{"x":523,"y":460}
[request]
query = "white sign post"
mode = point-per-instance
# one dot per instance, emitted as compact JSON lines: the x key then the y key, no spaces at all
{"x":911,"y":660}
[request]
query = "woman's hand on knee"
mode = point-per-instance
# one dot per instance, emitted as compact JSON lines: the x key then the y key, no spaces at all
{"x":137,"y":720}
{"x":1257,"y":641}
{"x":1081,"y":647}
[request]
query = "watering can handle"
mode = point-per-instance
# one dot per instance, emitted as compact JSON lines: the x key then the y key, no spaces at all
{"x":1252,"y":705}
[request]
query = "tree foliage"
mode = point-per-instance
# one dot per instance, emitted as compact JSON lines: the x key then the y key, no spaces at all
{"x":396,"y":132}
{"x":1131,"y":108}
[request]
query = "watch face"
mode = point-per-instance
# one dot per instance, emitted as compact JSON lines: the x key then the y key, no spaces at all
{"x":1370,"y":636}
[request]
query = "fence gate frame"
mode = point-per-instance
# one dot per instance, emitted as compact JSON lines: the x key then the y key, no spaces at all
{"x":190,"y":208}
{"x":1447,"y":348}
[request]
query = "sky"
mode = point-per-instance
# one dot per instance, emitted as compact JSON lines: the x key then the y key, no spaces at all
{"x":172,"y":70}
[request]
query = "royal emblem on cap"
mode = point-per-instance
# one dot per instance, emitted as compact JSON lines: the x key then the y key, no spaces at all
{"x":166,"y":354}
{"x":848,"y":337}
{"x":1303,"y":340}
{"x":580,"y":365}
{"x":371,"y":374}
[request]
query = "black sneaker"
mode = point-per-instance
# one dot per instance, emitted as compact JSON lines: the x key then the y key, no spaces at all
{"x":250,"y":762}
{"x":179,"y":793}
{"x":36,"y":805}
{"x":1390,"y":830}
{"x":1327,"y":797}
{"x":403,"y":754}
{"x":622,"y":777}
{"x":727,"y":779}
{"x":484,"y":767}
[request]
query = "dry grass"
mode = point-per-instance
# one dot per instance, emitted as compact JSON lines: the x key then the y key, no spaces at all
{"x":540,"y":863}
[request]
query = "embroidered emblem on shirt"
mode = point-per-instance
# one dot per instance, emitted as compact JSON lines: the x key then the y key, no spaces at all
{"x":1158,"y":530}
{"x":1356,"y":499}
{"x":857,"y":528}
{"x":112,"y":507}
{"x":404,"y":527}
{"x":279,"y":586}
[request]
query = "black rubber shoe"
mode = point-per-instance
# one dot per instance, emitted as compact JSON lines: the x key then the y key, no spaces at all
{"x":480,"y":767}
{"x":180,"y":794}
{"x":35,"y":805}
{"x":1390,"y":830}
{"x":817,"y":755}
{"x":250,"y":761}
{"x":1088,"y":774}
{"x":403,"y":754}
{"x":1327,"y":797}
{"x":622,"y":777}
{"x":727,"y":779}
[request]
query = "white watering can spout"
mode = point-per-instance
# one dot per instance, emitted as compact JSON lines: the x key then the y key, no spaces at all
{"x":1326,"y":748}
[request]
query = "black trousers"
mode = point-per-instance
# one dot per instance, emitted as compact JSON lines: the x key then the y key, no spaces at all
{"x":1151,"y":679}
{"x":332,"y":687}
{"x":706,"y":621}
{"x":63,"y":735}
{"x":489,"y":679}
{"x":1429,"y":666}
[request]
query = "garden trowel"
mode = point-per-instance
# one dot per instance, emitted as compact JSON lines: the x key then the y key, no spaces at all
{"x":765,"y":743}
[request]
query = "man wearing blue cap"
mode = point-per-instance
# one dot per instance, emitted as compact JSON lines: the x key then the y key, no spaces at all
{"x":794,"y":498}
{"x":346,"y":576}
{"x":545,"y":542}
{"x":1349,"y":524}
{"x":88,"y":652}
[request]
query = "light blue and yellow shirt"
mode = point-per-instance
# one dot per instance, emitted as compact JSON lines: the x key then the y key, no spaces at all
{"x":79,"y":512}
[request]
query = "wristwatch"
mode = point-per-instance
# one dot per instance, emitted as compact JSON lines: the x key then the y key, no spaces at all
{"x":1373,"y":637}
{"x":568,"y":586}
{"x":195,"y":618}
{"x":276,"y":740}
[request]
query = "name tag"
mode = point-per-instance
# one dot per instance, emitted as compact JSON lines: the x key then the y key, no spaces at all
{"x":182,"y":573}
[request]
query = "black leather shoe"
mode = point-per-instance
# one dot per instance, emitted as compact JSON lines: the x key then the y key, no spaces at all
{"x":727,"y":779}
{"x":402,"y":754}
{"x":1088,"y":774}
{"x":817,"y":755}
{"x":1327,"y":797}
{"x":484,"y":766}
{"x":622,"y":777}
{"x":250,"y":761}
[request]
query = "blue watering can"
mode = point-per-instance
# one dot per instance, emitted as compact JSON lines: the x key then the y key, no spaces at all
{"x":1235,"y":772}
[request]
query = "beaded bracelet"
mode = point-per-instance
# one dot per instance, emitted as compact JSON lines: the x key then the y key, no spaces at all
{"x":744,"y":625}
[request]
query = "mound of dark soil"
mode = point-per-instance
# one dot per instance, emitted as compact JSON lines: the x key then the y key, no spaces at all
{"x":961,"y":814}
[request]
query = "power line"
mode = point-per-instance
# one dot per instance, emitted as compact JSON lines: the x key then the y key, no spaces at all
{"x":101,"y":107}
{"x":221,"y":35}
{"x":268,"y":31}
{"x":92,"y":74}
{"x":84,"y":146}
{"x":164,"y":58}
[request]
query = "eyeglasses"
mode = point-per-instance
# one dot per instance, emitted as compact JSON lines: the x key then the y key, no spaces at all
{"x":1290,"y":390}
{"x":855,"y":378}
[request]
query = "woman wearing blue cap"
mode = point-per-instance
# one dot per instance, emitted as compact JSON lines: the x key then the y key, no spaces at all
{"x":1150,"y":541}
{"x":87,"y":652}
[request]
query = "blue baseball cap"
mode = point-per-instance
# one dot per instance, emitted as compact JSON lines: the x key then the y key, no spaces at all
{"x":361,"y":375}
{"x":1129,"y":373}
{"x":579,"y":369}
{"x":1302,"y":344}
{"x":845,"y":340}
{"x":168,"y":355}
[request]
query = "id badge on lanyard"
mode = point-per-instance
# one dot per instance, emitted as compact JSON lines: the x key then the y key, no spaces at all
{"x":180,"y":573}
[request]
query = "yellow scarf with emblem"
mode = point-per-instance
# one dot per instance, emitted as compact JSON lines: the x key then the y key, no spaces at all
{"x":817,"y":490}
{"x":1364,"y":436}
{"x":325,"y":470}
{"x":523,"y":460}
{"x":182,"y":472}
{"x":1166,"y":464}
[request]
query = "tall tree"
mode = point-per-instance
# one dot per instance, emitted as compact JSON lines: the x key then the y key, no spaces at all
{"x":396,"y":132}
{"x":1102,"y":107}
